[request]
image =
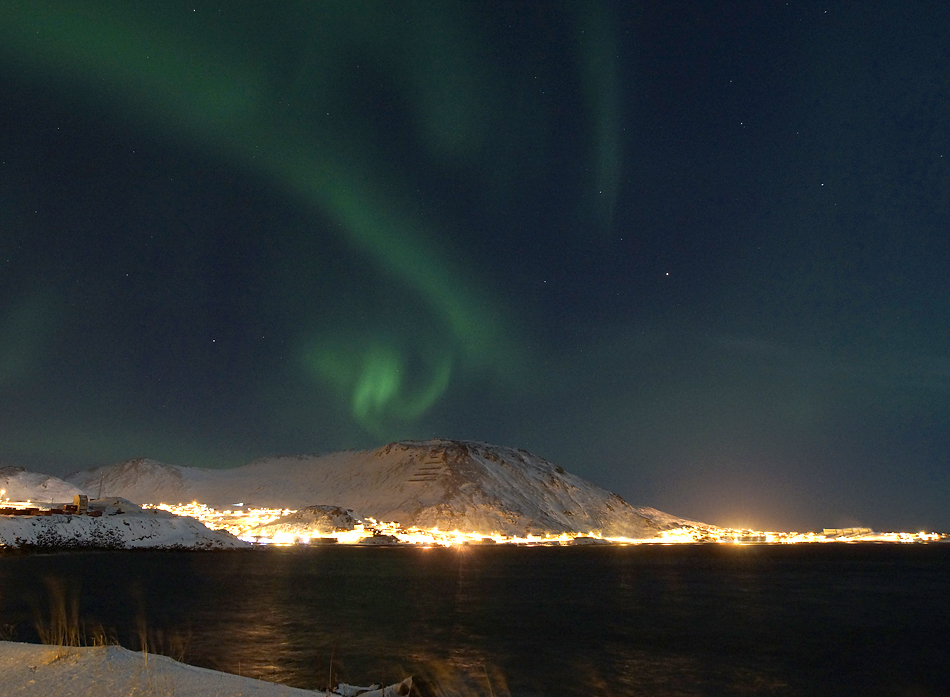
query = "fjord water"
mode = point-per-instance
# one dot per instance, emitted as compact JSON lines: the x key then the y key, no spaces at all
{"x":642,"y":620}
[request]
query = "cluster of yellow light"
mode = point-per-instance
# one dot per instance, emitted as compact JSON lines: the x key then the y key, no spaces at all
{"x":891,"y":537}
{"x":435,"y":536}
{"x":730,"y":536}
{"x":242,"y":522}
{"x":394,"y":533}
{"x":5,"y":500}
{"x":237,"y":521}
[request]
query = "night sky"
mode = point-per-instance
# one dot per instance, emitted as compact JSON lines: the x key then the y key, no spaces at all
{"x":697,"y":254}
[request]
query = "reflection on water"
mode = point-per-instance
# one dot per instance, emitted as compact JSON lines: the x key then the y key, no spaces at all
{"x":695,"y":620}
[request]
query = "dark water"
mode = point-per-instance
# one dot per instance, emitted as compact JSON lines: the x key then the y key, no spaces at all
{"x":678,"y":620}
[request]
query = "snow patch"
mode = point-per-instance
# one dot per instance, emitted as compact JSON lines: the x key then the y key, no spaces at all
{"x":122,"y":525}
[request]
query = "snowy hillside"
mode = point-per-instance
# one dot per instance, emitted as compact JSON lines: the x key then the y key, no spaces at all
{"x":469,"y":486}
{"x":119,"y":525}
{"x":29,"y":670}
{"x":312,"y":521}
{"x":22,"y":485}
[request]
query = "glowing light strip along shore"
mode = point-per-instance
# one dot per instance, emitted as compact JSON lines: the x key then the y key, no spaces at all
{"x":243,"y":522}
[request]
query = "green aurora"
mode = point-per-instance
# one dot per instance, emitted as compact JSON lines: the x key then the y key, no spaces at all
{"x":261,"y":105}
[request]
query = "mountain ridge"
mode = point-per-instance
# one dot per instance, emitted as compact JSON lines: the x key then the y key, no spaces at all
{"x":448,"y":484}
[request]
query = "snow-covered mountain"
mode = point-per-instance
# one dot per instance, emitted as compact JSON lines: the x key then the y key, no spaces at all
{"x":20,"y":484}
{"x":463,"y":485}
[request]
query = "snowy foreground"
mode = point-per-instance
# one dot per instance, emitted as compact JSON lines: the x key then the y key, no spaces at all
{"x":34,"y":670}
